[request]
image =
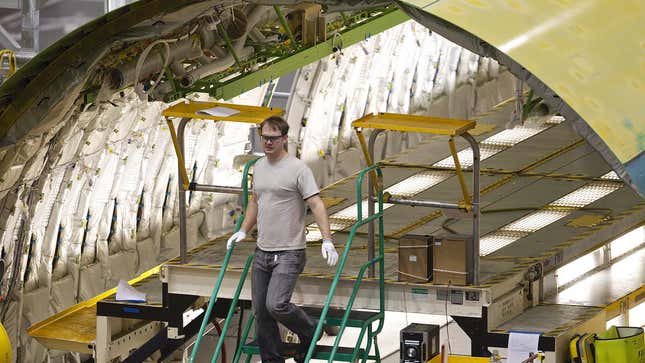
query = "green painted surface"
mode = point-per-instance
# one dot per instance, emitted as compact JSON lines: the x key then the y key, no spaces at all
{"x":241,"y":84}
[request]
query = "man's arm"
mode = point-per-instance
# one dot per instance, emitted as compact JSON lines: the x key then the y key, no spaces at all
{"x":319,"y":211}
{"x":251,"y":215}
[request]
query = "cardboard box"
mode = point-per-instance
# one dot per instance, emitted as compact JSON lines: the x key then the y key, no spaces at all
{"x":451,"y":260}
{"x":415,"y":258}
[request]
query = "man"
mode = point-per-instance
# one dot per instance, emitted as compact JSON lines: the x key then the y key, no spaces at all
{"x":282,"y":184}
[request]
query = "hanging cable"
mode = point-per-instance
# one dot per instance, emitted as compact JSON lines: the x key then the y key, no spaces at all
{"x":139,"y":89}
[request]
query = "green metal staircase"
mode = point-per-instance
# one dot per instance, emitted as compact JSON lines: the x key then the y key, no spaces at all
{"x":342,"y":318}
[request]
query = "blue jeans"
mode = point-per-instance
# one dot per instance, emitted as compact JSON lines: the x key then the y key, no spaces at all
{"x":273,"y":279}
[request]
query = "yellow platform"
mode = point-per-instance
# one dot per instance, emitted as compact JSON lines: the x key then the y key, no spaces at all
{"x":414,"y":123}
{"x":74,"y":329}
{"x":248,"y":114}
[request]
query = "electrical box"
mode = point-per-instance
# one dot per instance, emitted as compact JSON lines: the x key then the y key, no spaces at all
{"x":415,"y":258}
{"x":419,"y":343}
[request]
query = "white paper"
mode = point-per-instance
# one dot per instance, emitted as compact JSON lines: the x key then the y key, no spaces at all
{"x":218,"y":111}
{"x":521,"y":345}
{"x":125,"y":292}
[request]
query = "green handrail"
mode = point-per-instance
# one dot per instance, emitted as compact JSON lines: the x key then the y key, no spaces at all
{"x":245,"y":335}
{"x":341,"y":264}
{"x":231,"y":309}
{"x":348,"y":310}
{"x":222,"y":272}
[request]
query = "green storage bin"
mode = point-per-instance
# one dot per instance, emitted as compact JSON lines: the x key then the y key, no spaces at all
{"x":620,"y":345}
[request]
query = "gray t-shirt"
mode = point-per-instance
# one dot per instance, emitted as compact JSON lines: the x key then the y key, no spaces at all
{"x":281,"y":189}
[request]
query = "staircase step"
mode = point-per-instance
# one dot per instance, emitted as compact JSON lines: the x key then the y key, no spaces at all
{"x":357,"y":318}
{"x":343,"y":354}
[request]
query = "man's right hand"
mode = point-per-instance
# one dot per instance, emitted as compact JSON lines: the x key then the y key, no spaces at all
{"x":236,"y":237}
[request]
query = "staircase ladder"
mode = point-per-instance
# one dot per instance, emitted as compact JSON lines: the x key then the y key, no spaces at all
{"x":220,"y":278}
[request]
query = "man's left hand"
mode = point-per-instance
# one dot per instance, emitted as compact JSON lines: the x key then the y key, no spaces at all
{"x":329,"y":252}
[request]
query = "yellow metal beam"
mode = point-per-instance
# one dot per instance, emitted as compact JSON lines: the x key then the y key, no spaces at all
{"x":74,"y":329}
{"x":195,"y":110}
{"x":247,"y":114}
{"x":460,"y":174}
{"x":180,"y":155}
{"x":414,"y":123}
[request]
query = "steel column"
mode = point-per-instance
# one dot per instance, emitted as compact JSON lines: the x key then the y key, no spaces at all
{"x":30,"y":25}
{"x":182,"y":193}
{"x":370,"y":204}
{"x":215,"y":188}
{"x":475,"y":203}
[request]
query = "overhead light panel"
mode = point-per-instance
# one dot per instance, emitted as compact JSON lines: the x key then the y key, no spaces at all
{"x":417,"y":183}
{"x":611,"y":176}
{"x":466,"y":156}
{"x":496,"y":240}
{"x":536,"y":220}
{"x":351,"y":213}
{"x":514,"y":136}
{"x":554,"y":120}
{"x":313,"y":234}
{"x":586,"y":195}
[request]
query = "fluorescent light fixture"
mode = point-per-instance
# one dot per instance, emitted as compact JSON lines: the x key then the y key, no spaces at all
{"x":496,"y":240}
{"x":351,"y":213}
{"x":610,"y":176}
{"x":627,"y":242}
{"x":535,"y":221}
{"x":466,"y":156}
{"x":514,"y":136}
{"x":339,"y":224}
{"x":580,"y":266}
{"x":555,"y":120}
{"x":417,"y":183}
{"x":313,"y":234}
{"x":340,"y":220}
{"x":494,"y":144}
{"x":586,"y":195}
{"x":637,"y":315}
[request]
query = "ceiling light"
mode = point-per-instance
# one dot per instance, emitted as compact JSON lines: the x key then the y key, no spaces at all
{"x":496,"y":240}
{"x":586,"y":195}
{"x":466,"y":156}
{"x":536,"y":220}
{"x":610,"y":176}
{"x":417,"y":183}
{"x":514,"y":136}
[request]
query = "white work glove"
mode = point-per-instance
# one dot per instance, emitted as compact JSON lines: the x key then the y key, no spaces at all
{"x":236,"y":237}
{"x":329,"y":252}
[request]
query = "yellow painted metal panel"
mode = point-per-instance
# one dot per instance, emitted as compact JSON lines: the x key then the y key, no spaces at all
{"x":413,"y":123}
{"x":590,"y":52}
{"x":248,"y":114}
{"x":74,"y":328}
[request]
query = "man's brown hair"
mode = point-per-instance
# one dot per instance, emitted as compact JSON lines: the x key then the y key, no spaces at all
{"x":276,"y":122}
